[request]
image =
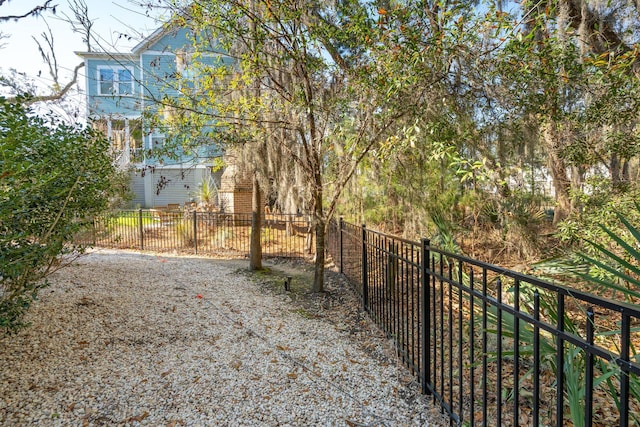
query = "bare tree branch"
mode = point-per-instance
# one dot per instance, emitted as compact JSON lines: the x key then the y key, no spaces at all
{"x":36,"y":11}
{"x":58,"y":94}
{"x":80,"y":22}
{"x":48,"y":55}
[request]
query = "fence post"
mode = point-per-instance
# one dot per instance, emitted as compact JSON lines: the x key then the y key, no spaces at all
{"x":195,"y":231}
{"x":94,"y":231}
{"x":141,"y":229}
{"x":365,"y":272}
{"x":425,"y":257}
{"x":340,"y":225}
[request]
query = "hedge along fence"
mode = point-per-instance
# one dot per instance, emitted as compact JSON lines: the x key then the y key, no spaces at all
{"x":201,"y":233}
{"x":492,"y":346}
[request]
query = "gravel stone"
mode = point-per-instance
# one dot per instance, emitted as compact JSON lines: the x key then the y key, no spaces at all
{"x":128,"y":339}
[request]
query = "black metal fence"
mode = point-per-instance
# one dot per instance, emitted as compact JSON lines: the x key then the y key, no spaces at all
{"x":492,"y":346}
{"x":202,"y":233}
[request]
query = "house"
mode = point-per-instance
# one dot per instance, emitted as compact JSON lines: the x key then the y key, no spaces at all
{"x":122,"y":89}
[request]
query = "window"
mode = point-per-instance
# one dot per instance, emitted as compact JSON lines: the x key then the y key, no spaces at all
{"x":115,"y":81}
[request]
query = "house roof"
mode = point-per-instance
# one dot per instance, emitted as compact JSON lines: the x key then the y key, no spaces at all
{"x":160,"y":32}
{"x":147,"y":42}
{"x":151,"y":39}
{"x":110,"y":55}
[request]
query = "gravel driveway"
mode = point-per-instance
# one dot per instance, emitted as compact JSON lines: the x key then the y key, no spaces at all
{"x":128,"y":339}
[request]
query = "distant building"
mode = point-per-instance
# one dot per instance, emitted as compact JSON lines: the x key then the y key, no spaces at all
{"x":121,"y":87}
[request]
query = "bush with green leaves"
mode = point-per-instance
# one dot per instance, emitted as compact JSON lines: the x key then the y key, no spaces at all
{"x":54,"y":178}
{"x":600,"y":207}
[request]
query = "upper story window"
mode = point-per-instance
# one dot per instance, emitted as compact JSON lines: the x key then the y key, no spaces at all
{"x":115,"y":81}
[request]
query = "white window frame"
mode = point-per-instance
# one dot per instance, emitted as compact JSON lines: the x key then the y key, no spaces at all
{"x":115,"y":83}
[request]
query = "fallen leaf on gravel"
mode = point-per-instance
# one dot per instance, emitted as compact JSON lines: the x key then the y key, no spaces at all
{"x":140,"y":417}
{"x":292,"y":375}
{"x":283,"y":348}
{"x":164,"y":374}
{"x":196,"y":379}
{"x":81,"y":345}
{"x":236,"y":364}
{"x":70,"y":407}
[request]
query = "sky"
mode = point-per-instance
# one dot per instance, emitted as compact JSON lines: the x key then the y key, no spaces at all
{"x":111,"y":19}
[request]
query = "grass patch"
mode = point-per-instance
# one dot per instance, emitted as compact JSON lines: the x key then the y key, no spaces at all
{"x":124,"y":219}
{"x":274,"y":279}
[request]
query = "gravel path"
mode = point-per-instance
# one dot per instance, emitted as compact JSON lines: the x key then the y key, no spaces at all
{"x":128,"y":339}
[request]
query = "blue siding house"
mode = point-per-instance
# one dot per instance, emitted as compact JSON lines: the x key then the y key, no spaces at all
{"x":120,"y":87}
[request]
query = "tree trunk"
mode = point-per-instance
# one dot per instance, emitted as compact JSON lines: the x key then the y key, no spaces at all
{"x":318,"y":277}
{"x":558,"y":171}
{"x":255,"y":258}
{"x":577,"y":181}
{"x":255,"y":255}
{"x":319,"y":223}
{"x":619,"y":170}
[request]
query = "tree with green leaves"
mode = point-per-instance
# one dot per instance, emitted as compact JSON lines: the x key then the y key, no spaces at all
{"x":303,"y":82}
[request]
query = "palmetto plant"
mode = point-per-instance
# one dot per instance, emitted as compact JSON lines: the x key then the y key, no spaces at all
{"x":617,"y":269}
{"x":614,"y":270}
{"x":573,"y":357}
{"x":612,"y":267}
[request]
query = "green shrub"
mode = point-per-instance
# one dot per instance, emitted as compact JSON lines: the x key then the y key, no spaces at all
{"x":53,"y":178}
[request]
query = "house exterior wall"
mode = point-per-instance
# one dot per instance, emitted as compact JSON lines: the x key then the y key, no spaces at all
{"x":154,"y":66}
{"x":159,"y":74}
{"x":137,"y":188}
{"x":179,"y":185}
